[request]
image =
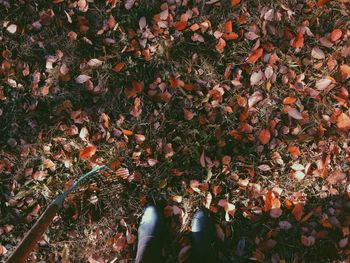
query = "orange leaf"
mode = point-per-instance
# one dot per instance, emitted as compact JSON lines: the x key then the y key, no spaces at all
{"x":221,"y":45}
{"x":230,"y":36}
{"x":180,"y":25}
{"x":294,"y":151}
{"x":344,"y":71}
{"x":298,"y":211}
{"x":264,"y":136}
{"x":228,"y":26}
{"x":336,"y":34}
{"x":298,"y":41}
{"x":235,"y":2}
{"x":289,"y":100}
{"x":87,"y":152}
{"x":127,"y":132}
{"x":119,"y":67}
{"x":343,"y":122}
{"x":255,"y":55}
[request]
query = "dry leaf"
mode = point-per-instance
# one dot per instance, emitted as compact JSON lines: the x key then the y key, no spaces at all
{"x":255,"y":55}
{"x":94,"y":62}
{"x":264,"y":136}
{"x":128,"y":4}
{"x":336,"y":35}
{"x":87,"y":152}
{"x":317,"y":53}
{"x":298,"y":41}
{"x":295,"y":114}
{"x":12,"y":28}
{"x":82,"y":78}
{"x":322,"y":84}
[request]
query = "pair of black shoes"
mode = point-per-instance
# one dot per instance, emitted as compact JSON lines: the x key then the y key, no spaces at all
{"x":151,"y":230}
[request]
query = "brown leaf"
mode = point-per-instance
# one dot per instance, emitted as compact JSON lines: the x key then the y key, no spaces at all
{"x":87,"y":152}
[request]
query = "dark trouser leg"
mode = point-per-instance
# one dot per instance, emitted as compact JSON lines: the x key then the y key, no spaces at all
{"x":148,"y":251}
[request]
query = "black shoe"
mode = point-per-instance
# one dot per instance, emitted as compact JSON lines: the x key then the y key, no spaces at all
{"x":149,"y":236}
{"x":202,"y":238}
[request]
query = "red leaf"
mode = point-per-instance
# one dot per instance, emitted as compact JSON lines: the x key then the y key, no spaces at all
{"x":228,"y":26}
{"x":264,"y":136}
{"x":255,"y":55}
{"x":235,"y":2}
{"x":87,"y":152}
{"x":336,"y":34}
{"x":298,"y":41}
{"x":119,"y":67}
{"x":343,"y":122}
{"x":180,"y":25}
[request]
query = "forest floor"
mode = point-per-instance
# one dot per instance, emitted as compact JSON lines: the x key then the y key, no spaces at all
{"x":237,"y":106}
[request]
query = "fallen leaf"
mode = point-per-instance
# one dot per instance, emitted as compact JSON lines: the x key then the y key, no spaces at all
{"x":235,"y":2}
{"x":220,"y":45}
{"x":298,"y":41}
{"x":255,"y":55}
{"x":82,"y":78}
{"x":289,"y":100}
{"x":128,"y":4}
{"x":343,"y":122}
{"x":317,"y":53}
{"x":322,"y":84}
{"x":336,"y":35}
{"x":264,"y":136}
{"x":94,"y":62}
{"x":295,"y":114}
{"x":12,"y":28}
{"x":180,"y":25}
{"x":228,"y":26}
{"x":336,"y":177}
{"x":119,"y":67}
{"x":294,"y":151}
{"x":87,"y":152}
{"x":298,"y":211}
{"x":344,"y":71}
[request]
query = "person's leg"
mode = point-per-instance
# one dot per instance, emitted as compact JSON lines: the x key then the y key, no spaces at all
{"x":149,"y":236}
{"x":202,"y":233}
